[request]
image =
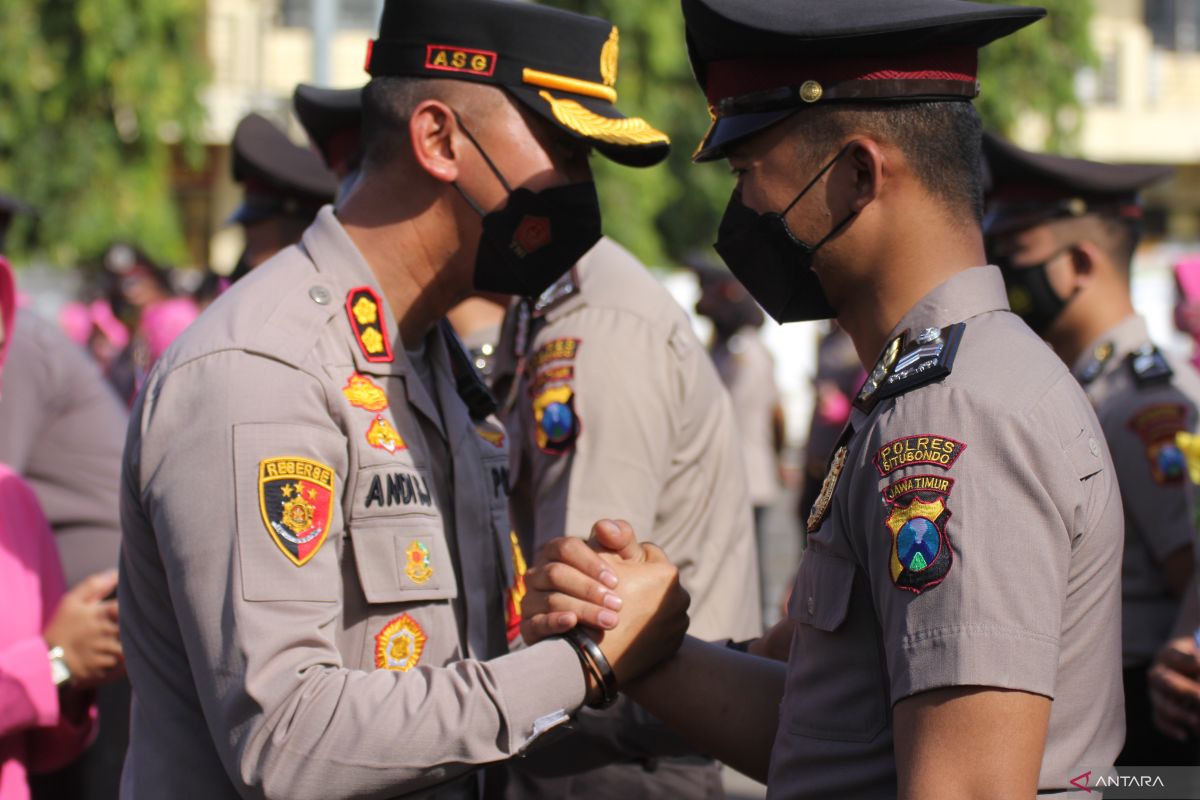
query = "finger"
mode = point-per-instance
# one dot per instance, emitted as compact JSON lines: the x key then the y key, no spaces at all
{"x":1174,"y":684}
{"x":97,"y":586}
{"x":584,"y":613}
{"x":543,"y":626}
{"x":1172,"y":698}
{"x":1172,"y":717}
{"x":560,"y":577}
{"x":576,"y":553}
{"x":1179,"y":661}
{"x":616,"y":537}
{"x":655,"y":554}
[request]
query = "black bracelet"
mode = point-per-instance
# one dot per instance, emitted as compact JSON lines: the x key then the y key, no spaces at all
{"x":596,"y":662}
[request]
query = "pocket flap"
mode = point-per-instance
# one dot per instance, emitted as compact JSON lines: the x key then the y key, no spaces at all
{"x":403,"y":559}
{"x":821,"y":595}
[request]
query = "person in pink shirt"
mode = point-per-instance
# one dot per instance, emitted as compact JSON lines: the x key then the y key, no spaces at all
{"x":53,"y":648}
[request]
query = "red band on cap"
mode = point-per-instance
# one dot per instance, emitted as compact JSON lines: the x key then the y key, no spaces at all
{"x":370,"y":49}
{"x":741,"y":76}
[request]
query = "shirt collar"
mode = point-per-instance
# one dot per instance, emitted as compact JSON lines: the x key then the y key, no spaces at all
{"x":1126,"y":336}
{"x":960,"y":297}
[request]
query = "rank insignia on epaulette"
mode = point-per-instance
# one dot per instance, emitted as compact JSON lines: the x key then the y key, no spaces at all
{"x":363,"y":393}
{"x":295,"y":498}
{"x":882,"y":367}
{"x":556,"y":426}
{"x":383,"y":436}
{"x":820,"y":509}
{"x":1094,"y":368}
{"x":1158,"y":427}
{"x":365,"y":312}
{"x":564,"y":288}
{"x":1149,"y":366}
{"x":921,"y":555}
{"x":400,"y":644}
{"x":927,"y":357}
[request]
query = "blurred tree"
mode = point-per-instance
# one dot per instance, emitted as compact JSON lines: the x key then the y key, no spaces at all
{"x":664,"y":212}
{"x":94,"y":94}
{"x":1033,"y":73}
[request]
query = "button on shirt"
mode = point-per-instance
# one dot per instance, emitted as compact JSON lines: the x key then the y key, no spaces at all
{"x":969,"y":542}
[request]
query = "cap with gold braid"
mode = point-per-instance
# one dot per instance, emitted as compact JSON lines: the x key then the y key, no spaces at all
{"x":760,"y":62}
{"x":559,"y":64}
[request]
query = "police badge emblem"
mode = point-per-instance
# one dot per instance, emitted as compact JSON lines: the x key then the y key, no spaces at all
{"x":921,"y":555}
{"x":295,"y":497}
{"x":400,"y":644}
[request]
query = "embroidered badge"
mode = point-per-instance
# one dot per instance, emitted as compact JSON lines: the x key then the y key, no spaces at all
{"x":555,"y":424}
{"x":556,"y":350}
{"x":365,"y":312}
{"x":1157,"y":426}
{"x":493,"y":437}
{"x":399,"y":489}
{"x":921,"y":555}
{"x":556,"y":374}
{"x":1189,"y":444}
{"x":938,"y":451}
{"x":295,"y":497}
{"x":447,"y":58}
{"x":820,"y":508}
{"x":383,"y":436}
{"x":532,"y":234}
{"x":399,"y":645}
{"x":419,"y":564}
{"x":362,"y":392}
{"x":516,"y":592}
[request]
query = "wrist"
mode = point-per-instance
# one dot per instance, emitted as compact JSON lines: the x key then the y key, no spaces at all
{"x":601,"y":680}
{"x":60,"y":673}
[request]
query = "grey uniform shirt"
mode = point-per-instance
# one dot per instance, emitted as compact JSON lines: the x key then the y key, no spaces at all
{"x":971,"y":540}
{"x":1141,"y":407}
{"x":62,"y":428}
{"x":315,"y":558}
{"x":622,"y":415}
{"x":747,"y":369}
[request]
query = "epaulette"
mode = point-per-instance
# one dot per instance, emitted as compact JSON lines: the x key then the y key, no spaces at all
{"x":1149,"y":366}
{"x":1100,"y":358}
{"x":470,"y":384}
{"x":562,"y":290}
{"x":911,"y":360}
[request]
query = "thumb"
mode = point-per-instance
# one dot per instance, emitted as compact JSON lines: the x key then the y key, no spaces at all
{"x":97,"y":586}
{"x":616,"y":537}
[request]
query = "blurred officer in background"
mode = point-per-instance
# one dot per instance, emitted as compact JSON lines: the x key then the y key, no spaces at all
{"x":1064,"y":232}
{"x":284,"y":185}
{"x":324,"y":616}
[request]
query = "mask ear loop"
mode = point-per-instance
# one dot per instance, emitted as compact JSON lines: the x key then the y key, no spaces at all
{"x":491,"y":165}
{"x":814,"y":181}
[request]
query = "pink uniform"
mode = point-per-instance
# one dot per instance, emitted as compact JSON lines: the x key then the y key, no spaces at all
{"x":33,"y":736}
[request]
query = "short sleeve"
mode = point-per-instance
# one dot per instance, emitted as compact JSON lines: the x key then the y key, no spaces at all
{"x":966,"y":540}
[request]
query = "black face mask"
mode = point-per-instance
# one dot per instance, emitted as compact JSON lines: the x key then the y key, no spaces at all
{"x":1030,"y":294}
{"x":533,"y":240}
{"x":773,"y":265}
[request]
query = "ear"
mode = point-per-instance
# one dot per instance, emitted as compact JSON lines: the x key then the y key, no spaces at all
{"x":864,"y":161}
{"x":432,"y":131}
{"x":1085,"y":258}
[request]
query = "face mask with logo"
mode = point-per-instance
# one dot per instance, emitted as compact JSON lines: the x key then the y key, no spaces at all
{"x":774,"y":265}
{"x":535,"y":237}
{"x":1030,"y":294}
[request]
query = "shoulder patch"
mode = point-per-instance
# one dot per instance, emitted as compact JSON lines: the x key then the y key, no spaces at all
{"x":1158,"y":426}
{"x":921,"y":555}
{"x":1149,"y":366}
{"x":295,"y":498}
{"x":400,"y":644}
{"x":365,"y":312}
{"x":516,"y":592}
{"x":556,"y":426}
{"x":555,"y":350}
{"x":927,"y":449}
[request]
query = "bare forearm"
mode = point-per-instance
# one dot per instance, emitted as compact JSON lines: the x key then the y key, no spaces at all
{"x":724,"y":703}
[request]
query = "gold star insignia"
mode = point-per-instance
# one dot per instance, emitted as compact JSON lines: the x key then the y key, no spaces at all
{"x":287,"y":491}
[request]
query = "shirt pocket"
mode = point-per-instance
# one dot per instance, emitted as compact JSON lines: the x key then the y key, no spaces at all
{"x":403,"y":559}
{"x":836,"y":685}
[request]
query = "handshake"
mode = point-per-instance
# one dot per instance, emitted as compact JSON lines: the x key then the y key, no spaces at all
{"x":625,"y":595}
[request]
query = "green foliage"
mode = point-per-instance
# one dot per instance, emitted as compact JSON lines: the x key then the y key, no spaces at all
{"x":1033,"y":72}
{"x":662,"y":212}
{"x":93,"y":94}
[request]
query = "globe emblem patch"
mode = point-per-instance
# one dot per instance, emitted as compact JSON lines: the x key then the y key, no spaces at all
{"x":921,"y":553}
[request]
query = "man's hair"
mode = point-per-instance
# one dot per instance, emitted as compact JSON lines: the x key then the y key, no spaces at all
{"x":389,"y":103}
{"x":940,"y":140}
{"x":1116,"y":236}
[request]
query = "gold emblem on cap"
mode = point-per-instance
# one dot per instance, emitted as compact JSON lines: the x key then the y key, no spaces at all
{"x":584,"y":121}
{"x":811,"y":91}
{"x":1077,"y":207}
{"x":608,"y":58}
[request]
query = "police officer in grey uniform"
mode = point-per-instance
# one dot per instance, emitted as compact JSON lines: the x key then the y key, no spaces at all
{"x":316,"y":550}
{"x":614,"y":404}
{"x":1064,"y":231}
{"x":953,"y":613}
